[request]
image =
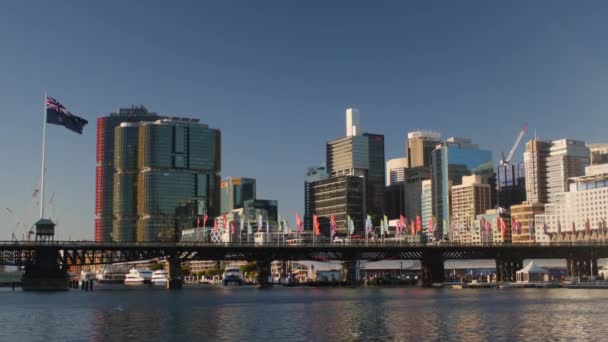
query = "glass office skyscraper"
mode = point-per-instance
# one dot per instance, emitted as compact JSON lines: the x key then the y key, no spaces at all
{"x":105,"y":168}
{"x":167,"y":174}
{"x":451,"y":160}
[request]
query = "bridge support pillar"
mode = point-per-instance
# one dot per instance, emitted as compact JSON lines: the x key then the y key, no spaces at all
{"x":45,"y":273}
{"x":581,"y":267}
{"x":506,"y":269}
{"x":351,"y":272}
{"x":175,"y":280}
{"x":263,"y":269}
{"x":432,"y":268}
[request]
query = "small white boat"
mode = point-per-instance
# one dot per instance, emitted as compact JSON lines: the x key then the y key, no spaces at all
{"x":134,"y":277}
{"x":159,"y":278}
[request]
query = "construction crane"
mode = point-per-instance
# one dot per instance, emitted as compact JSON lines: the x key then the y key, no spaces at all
{"x":506,"y":161}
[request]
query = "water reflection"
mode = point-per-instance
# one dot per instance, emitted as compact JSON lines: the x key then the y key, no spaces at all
{"x":304,"y":314}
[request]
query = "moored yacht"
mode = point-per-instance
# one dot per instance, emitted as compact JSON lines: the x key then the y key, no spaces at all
{"x":159,"y":278}
{"x":134,"y":277}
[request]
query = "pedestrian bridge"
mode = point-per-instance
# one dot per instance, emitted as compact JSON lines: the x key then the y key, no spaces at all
{"x":52,"y":256}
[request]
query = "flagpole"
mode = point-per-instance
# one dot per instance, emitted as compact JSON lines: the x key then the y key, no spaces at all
{"x":43,"y":154}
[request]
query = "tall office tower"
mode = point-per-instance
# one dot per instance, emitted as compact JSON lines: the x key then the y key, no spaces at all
{"x":567,"y":159}
{"x":511,"y":184}
{"x":234,"y":191}
{"x":177,"y":178}
{"x":375,"y":176}
{"x":361,"y":156}
{"x":426,"y":206}
{"x":352,"y":122}
{"x":420,"y":146}
{"x":313,"y":174}
{"x":599,"y":153}
{"x":451,"y":160}
{"x":535,"y":160}
{"x":104,"y":170}
{"x":395,"y":170}
{"x":469,"y":199}
{"x":549,"y":164}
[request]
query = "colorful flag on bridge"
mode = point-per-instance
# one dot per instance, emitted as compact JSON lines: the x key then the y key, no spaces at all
{"x":315,"y":225}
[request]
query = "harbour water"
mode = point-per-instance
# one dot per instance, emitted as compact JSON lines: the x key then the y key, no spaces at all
{"x":304,"y":314}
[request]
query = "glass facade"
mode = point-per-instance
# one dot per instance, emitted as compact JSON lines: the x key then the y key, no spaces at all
{"x":166,"y":174}
{"x":104,"y":172}
{"x":451,"y":161}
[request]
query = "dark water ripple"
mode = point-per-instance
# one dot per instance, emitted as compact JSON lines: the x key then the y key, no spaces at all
{"x":306,"y":314}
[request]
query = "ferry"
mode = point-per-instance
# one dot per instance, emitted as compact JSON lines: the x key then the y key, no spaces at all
{"x":232,"y":276}
{"x":159,"y":278}
{"x":112,"y":275}
{"x":137,"y":277}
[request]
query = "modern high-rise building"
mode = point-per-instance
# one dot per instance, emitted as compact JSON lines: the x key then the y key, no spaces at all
{"x":313,"y":174}
{"x":403,"y":198}
{"x":567,"y":159}
{"x":549,"y":165}
{"x":426,"y":205}
{"x":395,"y":170}
{"x":104,"y":171}
{"x":420,"y":147}
{"x":171,"y":179}
{"x":451,"y":160}
{"x":340,"y":196}
{"x":535,"y":161}
{"x":361,"y":156}
{"x":234,"y":191}
{"x":469,"y":199}
{"x":511,"y":181}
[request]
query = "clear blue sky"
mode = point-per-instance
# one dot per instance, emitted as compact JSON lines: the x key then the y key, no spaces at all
{"x":276,"y":76}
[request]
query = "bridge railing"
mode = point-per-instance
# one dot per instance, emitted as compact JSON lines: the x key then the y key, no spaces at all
{"x":352,"y":243}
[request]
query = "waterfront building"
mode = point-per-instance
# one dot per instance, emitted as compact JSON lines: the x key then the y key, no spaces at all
{"x":511,"y":182}
{"x":176,"y":178}
{"x":585,"y":200}
{"x":104,"y":170}
{"x":313,"y":174}
{"x":395,"y":170}
{"x":598,"y":153}
{"x":340,"y":196}
{"x":426,"y":205}
{"x":525,"y":215}
{"x":236,"y":190}
{"x":476,"y":233}
{"x":469,"y":199}
{"x":420,"y":147}
{"x":451,"y":160}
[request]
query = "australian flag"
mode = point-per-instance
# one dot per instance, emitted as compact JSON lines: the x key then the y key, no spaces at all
{"x":57,"y":114}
